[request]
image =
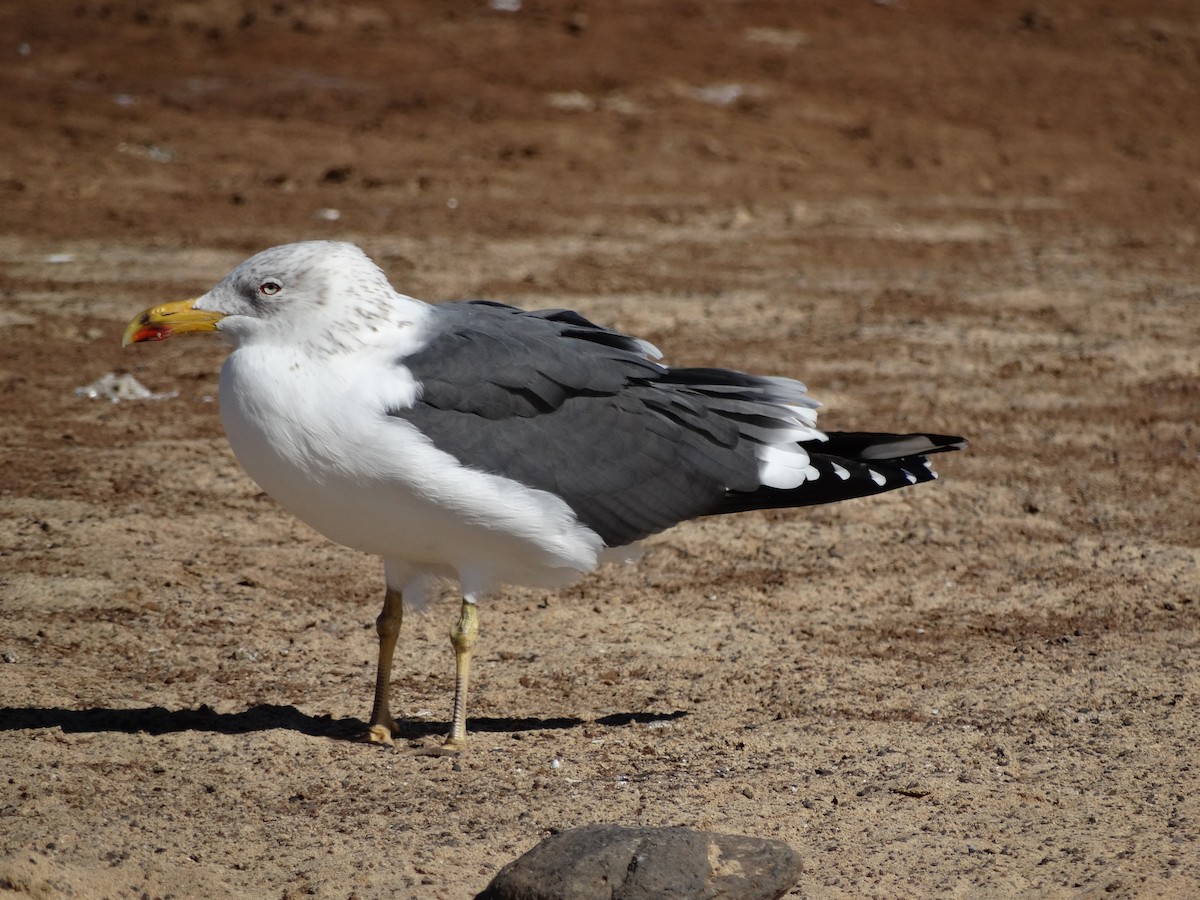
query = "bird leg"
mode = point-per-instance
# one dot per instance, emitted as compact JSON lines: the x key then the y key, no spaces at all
{"x":462,"y":637}
{"x":382,"y":726}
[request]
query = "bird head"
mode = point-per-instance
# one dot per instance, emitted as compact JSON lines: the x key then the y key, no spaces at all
{"x":309,"y":286}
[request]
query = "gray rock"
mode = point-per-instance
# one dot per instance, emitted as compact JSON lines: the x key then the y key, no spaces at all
{"x":618,"y":863}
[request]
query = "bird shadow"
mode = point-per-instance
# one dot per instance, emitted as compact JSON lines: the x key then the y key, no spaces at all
{"x":157,"y":720}
{"x":616,"y":720}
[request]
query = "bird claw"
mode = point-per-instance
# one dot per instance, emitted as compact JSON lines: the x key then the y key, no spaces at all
{"x":379,"y":734}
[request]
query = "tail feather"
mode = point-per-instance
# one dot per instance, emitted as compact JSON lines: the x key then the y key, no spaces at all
{"x":849,"y":465}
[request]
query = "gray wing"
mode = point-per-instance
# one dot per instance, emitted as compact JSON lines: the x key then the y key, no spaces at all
{"x":557,"y":403}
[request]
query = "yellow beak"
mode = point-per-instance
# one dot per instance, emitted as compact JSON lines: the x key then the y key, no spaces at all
{"x":160,"y":322}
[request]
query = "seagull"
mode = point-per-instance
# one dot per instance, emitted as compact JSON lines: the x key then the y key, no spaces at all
{"x":481,"y":443}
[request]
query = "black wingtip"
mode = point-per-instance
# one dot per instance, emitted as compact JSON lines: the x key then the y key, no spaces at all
{"x":850,"y":465}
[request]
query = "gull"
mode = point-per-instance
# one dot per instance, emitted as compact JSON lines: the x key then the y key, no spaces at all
{"x":480,"y":443}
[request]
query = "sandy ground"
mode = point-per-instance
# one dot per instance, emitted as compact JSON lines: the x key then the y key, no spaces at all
{"x":968,"y":217}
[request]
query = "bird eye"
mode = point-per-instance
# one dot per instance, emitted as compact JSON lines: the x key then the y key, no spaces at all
{"x":270,"y":288}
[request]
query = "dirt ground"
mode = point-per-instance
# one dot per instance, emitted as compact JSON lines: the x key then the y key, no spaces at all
{"x":969,"y":217}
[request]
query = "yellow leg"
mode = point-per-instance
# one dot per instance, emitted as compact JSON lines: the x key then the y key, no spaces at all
{"x":382,"y":726}
{"x":462,"y":637}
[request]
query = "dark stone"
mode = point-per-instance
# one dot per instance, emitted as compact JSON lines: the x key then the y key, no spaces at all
{"x":612,"y":861}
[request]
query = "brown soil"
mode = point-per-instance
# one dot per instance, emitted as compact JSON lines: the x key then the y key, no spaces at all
{"x":968,"y":217}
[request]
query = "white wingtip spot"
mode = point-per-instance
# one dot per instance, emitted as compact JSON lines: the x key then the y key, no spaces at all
{"x":877,"y":478}
{"x":841,"y":472}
